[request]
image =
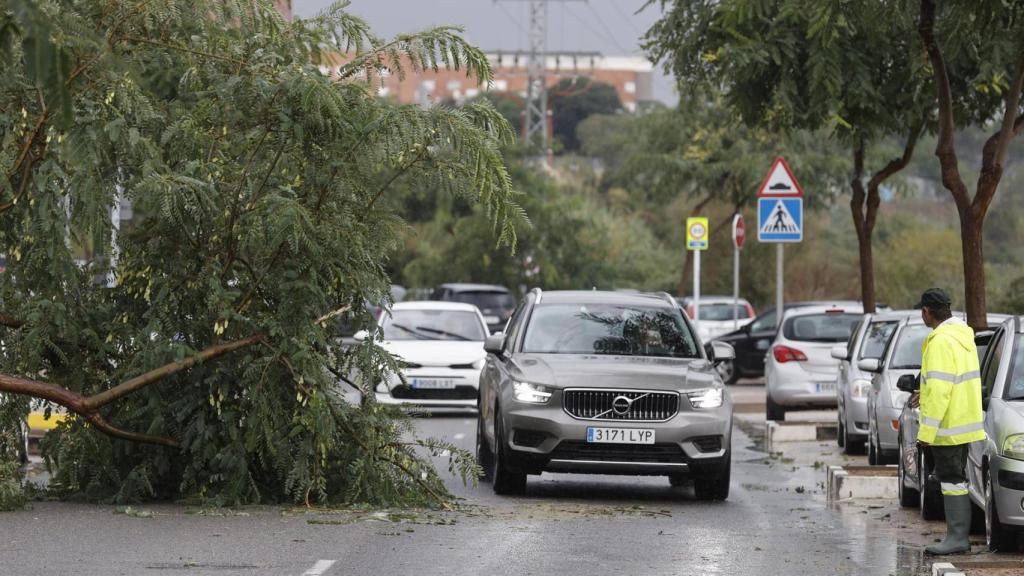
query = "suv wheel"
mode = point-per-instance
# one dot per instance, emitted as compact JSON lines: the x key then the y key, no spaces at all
{"x":998,"y":537}
{"x":908,"y":496}
{"x":506,"y":481}
{"x":714,"y":486}
{"x":773,"y":411}
{"x":484,"y":456}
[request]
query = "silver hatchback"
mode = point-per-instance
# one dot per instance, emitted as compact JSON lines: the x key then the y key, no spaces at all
{"x":603,"y":382}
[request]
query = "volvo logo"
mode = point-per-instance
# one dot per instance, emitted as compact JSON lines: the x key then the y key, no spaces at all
{"x":621,"y":405}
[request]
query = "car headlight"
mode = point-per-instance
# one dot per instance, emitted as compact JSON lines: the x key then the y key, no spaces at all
{"x":530,"y":393}
{"x":709,"y":398}
{"x":859,"y":388}
{"x":479,"y":364}
{"x":1013,"y":447}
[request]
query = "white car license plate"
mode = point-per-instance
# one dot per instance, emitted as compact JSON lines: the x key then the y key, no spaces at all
{"x":432,"y":383}
{"x":620,"y":435}
{"x":825,"y":387}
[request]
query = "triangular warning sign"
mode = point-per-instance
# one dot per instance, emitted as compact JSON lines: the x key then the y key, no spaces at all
{"x":780,"y":181}
{"x":780,"y":221}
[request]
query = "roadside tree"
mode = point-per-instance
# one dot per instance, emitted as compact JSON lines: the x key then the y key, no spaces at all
{"x":194,"y":348}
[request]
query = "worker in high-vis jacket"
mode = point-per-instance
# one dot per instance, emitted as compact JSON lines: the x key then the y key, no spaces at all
{"x":951,"y":413}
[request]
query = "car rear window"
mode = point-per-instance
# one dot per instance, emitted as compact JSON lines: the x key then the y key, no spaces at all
{"x":486,"y":300}
{"x":611,"y":329}
{"x":824,"y":327}
{"x":722,"y":312}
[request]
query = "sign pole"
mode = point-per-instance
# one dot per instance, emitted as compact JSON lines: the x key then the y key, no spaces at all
{"x":696,"y":290}
{"x":735,"y":288}
{"x":779,"y":283}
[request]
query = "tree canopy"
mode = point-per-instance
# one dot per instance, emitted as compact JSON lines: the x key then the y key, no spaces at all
{"x":573,"y":100}
{"x":208,"y":366}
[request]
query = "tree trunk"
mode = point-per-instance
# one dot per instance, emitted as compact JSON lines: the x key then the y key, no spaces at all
{"x":971,"y":226}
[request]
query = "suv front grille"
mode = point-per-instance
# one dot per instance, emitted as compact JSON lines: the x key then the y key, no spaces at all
{"x":643,"y":406}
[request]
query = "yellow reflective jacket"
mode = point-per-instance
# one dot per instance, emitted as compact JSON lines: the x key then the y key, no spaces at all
{"x":951,"y":411}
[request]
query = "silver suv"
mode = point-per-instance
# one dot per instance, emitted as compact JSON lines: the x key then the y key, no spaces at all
{"x":605,"y":383}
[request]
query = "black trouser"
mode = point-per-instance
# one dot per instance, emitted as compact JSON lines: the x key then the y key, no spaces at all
{"x":951,"y":468}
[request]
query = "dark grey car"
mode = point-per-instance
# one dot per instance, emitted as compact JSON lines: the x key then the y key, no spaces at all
{"x":608,"y":383}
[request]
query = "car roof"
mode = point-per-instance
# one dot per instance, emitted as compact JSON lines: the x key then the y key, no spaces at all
{"x":847,"y":308}
{"x":605,"y":297}
{"x":465,"y":287}
{"x":711,"y":300}
{"x":434,"y":305}
{"x":892,"y":315}
{"x":992,"y":319}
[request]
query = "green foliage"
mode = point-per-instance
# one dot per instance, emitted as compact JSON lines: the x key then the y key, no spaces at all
{"x":260,"y":187}
{"x":573,"y":100}
{"x":12,"y":496}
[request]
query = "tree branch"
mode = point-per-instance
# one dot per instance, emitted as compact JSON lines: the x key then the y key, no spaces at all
{"x":10,"y":321}
{"x":143,"y":380}
{"x":333,"y":314}
{"x":391,"y":180}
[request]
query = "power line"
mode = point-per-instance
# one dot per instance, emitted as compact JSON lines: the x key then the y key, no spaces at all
{"x":626,"y":17}
{"x":595,"y":31}
{"x":512,"y":18}
{"x":611,"y":34}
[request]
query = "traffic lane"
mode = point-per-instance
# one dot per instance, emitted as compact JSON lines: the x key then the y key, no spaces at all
{"x":776,"y":514}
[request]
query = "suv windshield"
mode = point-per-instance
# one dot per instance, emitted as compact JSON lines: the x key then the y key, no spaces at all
{"x":907,"y":355}
{"x":486,"y":300}
{"x":876,"y":339}
{"x":824,"y":327}
{"x":609,"y":329}
{"x":722,"y":312}
{"x":433,"y":325}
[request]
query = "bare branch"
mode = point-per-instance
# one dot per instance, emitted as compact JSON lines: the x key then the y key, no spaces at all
{"x":333,"y":314}
{"x":10,"y":321}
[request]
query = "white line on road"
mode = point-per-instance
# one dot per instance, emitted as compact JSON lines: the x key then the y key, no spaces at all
{"x":460,"y":436}
{"x":319,"y":568}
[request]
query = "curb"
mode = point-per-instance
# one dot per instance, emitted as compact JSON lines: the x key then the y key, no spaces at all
{"x":945,"y":569}
{"x":861,"y":482}
{"x":799,"y":431}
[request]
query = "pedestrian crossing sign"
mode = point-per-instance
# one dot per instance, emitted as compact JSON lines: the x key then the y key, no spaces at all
{"x":780,"y":219}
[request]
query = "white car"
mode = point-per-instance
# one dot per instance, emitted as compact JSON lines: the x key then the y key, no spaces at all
{"x":717,"y":315}
{"x":800,"y":371}
{"x":442,"y":347}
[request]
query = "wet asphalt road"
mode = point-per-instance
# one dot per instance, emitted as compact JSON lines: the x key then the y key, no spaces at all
{"x":775,"y":522}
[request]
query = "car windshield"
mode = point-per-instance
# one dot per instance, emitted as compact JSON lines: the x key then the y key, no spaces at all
{"x":433,"y":325}
{"x":824,"y":327}
{"x":486,"y":300}
{"x":907,"y":354}
{"x":722,"y":312}
{"x":609,"y":329}
{"x":1015,"y":387}
{"x":876,"y":339}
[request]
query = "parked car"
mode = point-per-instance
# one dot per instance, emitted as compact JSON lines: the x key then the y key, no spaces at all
{"x":717,"y":314}
{"x":996,"y":465}
{"x":800,"y":371}
{"x":917,"y":486}
{"x":751,"y":342}
{"x":868,"y":341}
{"x":495,"y":302}
{"x":441,"y":345}
{"x":605,"y":383}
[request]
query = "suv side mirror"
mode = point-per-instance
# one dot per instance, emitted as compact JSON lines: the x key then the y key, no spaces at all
{"x":870,"y":364}
{"x":908,"y":383}
{"x":839,"y":352}
{"x":495,"y":344}
{"x":719,"y":352}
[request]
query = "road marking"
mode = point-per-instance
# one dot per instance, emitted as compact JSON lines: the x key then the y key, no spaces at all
{"x":460,"y":436}
{"x":319,"y":568}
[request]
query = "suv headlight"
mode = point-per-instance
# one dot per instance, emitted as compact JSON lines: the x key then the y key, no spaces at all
{"x":709,"y":398}
{"x":1013,"y":447}
{"x":859,"y":388}
{"x":530,"y":393}
{"x":479,"y":364}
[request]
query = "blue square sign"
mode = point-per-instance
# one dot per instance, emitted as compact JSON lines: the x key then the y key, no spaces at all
{"x":780,"y":219}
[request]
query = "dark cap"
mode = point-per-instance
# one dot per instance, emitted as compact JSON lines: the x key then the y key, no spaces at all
{"x":934,"y":298}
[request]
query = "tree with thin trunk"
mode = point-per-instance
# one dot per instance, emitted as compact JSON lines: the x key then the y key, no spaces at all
{"x":848,"y":68}
{"x":976,"y":52}
{"x":210,"y":365}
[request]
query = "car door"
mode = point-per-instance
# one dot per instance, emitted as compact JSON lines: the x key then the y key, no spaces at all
{"x":496,"y":369}
{"x":989,"y":373}
{"x":751,"y":350}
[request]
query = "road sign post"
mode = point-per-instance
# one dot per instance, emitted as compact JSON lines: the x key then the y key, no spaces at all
{"x":780,"y":219}
{"x":697,"y":241}
{"x":739,"y":237}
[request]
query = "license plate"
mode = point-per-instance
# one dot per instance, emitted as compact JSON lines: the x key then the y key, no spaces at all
{"x":432,"y":383}
{"x":825,"y":387}
{"x":620,"y":435}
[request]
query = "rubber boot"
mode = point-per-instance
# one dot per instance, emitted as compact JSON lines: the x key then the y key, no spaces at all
{"x":958,"y":526}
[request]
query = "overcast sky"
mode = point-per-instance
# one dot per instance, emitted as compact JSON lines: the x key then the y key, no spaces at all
{"x":611,"y":27}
